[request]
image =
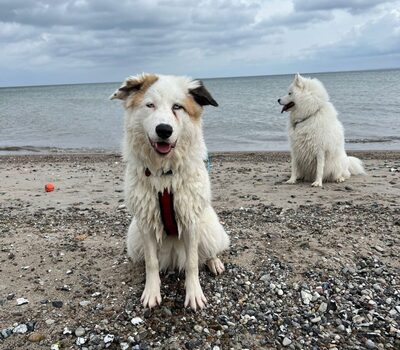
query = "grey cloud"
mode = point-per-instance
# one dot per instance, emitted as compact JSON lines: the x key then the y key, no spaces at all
{"x":354,"y":6}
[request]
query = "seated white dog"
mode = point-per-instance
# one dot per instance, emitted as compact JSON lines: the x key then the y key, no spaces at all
{"x":167,"y":187}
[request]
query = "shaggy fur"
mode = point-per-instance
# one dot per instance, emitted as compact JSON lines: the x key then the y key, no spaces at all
{"x":316,"y":135}
{"x":151,"y":100}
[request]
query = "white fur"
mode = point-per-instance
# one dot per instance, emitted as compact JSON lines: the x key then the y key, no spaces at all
{"x":316,"y":136}
{"x":201,"y":236}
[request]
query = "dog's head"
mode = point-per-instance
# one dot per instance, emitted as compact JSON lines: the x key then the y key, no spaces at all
{"x":161,"y":109}
{"x":305,"y":96}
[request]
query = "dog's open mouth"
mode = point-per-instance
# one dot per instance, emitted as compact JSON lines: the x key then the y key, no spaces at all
{"x":287,"y":106}
{"x":163,"y":148}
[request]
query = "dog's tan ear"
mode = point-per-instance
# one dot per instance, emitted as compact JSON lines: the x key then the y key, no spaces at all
{"x":202,"y":96}
{"x":130,"y":85}
{"x":298,"y":80}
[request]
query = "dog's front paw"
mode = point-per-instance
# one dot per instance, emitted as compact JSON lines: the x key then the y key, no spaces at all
{"x":216,"y":266}
{"x":151,"y":297}
{"x":291,"y":181}
{"x":340,"y":179}
{"x":194,"y":296}
{"x":317,"y":184}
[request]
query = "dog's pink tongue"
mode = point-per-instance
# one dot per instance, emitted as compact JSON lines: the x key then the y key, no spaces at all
{"x":163,"y":147}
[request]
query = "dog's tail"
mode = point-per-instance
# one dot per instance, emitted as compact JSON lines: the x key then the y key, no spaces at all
{"x":356,"y":166}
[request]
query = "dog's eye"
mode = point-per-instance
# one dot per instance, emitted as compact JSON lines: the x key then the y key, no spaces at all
{"x":177,"y":107}
{"x":150,"y":105}
{"x":289,"y":93}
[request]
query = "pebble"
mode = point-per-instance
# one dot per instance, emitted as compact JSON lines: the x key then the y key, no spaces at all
{"x":21,"y":328}
{"x":80,"y":331}
{"x":22,"y":301}
{"x":50,"y":321}
{"x":306,"y":296}
{"x":136,"y":320}
{"x":36,"y":337}
{"x":198,"y":328}
{"x":6,"y":332}
{"x":286,"y":341}
{"x":323,"y":307}
{"x":370,"y":344}
{"x":57,"y":303}
{"x":316,"y":319}
{"x":80,"y":341}
{"x":109,"y":338}
{"x":84,"y":303}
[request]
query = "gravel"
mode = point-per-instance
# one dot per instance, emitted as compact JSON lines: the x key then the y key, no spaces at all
{"x":310,"y":277}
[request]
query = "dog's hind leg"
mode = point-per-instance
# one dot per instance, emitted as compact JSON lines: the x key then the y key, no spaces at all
{"x":213,"y":240}
{"x":216,"y":266}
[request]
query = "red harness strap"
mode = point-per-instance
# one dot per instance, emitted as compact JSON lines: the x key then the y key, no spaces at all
{"x":166,"y":200}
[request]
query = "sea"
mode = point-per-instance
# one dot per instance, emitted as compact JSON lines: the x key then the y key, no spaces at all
{"x":81,"y":116}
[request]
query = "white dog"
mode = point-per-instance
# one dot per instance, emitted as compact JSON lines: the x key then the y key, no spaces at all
{"x":167,"y":187}
{"x":316,"y":135}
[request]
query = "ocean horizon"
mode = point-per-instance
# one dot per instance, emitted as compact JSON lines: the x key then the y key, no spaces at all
{"x":80,"y":116}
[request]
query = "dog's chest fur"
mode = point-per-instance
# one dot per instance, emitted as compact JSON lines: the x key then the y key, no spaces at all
{"x":191,"y":193}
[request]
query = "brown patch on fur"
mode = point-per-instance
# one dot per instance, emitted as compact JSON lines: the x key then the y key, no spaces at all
{"x":145,"y":81}
{"x":192,"y":108}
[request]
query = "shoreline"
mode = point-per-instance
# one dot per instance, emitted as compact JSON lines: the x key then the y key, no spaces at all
{"x":263,"y":156}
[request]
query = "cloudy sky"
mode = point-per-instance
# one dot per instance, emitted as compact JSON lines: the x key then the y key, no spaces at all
{"x":73,"y":41}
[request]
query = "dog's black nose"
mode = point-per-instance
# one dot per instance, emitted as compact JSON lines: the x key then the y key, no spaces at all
{"x":279,"y":100}
{"x":164,"y":131}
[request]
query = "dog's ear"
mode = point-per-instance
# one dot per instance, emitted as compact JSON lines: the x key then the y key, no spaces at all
{"x":129,"y":86}
{"x":298,"y":81}
{"x":202,"y":96}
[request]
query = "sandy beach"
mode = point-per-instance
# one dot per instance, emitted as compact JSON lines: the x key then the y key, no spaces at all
{"x":308,"y":268}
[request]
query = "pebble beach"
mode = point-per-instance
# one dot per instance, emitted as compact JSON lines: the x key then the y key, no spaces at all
{"x":308,"y":268}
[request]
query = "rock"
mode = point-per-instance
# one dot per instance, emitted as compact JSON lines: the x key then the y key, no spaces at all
{"x":57,"y":303}
{"x":198,"y":328}
{"x":21,"y":328}
{"x":316,"y":319}
{"x":50,"y":321}
{"x":109,"y":338}
{"x":136,"y":320}
{"x":286,"y":341}
{"x":6,"y":332}
{"x":36,"y":337}
{"x":84,"y":303}
{"x":370,"y":344}
{"x":379,"y":249}
{"x":67,"y":331}
{"x":323,"y":307}
{"x":80,"y":331}
{"x":55,"y":346}
{"x":124,"y":346}
{"x":22,"y":301}
{"x":306,"y":297}
{"x":80,"y":341}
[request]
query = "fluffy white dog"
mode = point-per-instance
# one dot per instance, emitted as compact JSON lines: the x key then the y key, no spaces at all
{"x":167,"y":188}
{"x":316,"y":135}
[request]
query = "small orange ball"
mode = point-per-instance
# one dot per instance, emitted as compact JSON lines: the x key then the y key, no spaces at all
{"x":49,"y":187}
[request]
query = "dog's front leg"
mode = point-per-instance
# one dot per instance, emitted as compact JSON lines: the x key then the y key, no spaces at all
{"x":320,"y":170}
{"x":194,"y":294}
{"x":151,"y":295}
{"x":295,"y":172}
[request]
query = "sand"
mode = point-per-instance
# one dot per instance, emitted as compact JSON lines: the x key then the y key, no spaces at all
{"x":68,"y":246}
